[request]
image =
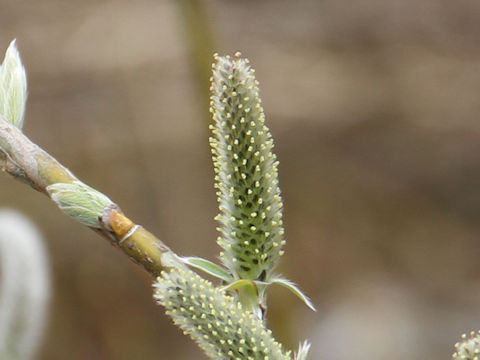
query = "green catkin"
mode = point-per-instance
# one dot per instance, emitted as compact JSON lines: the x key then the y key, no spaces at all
{"x":216,"y":321}
{"x":468,"y":348}
{"x":245,"y":172}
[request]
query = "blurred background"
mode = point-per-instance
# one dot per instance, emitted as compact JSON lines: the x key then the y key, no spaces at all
{"x":374,"y":106}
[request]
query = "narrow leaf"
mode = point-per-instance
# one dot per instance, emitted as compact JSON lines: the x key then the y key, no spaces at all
{"x":294,"y":289}
{"x":242,"y":283}
{"x":248,"y":294}
{"x":208,"y":267}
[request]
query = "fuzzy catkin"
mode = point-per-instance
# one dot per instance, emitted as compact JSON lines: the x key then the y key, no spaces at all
{"x":216,"y":321}
{"x":24,"y":287}
{"x":468,"y":348}
{"x":245,"y":172}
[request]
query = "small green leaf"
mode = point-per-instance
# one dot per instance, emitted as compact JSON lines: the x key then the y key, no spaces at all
{"x":242,"y":283}
{"x":294,"y":289}
{"x":208,"y":267}
{"x":248,"y":293}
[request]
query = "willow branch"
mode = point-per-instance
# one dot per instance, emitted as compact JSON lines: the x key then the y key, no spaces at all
{"x":27,"y":162}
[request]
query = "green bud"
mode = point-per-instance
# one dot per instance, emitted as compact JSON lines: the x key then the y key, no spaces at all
{"x":80,"y":201}
{"x":246,"y":173}
{"x":13,"y":87}
{"x":216,"y":321}
{"x":468,"y":348}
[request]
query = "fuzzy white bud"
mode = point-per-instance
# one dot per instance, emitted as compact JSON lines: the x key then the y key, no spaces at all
{"x":13,"y":87}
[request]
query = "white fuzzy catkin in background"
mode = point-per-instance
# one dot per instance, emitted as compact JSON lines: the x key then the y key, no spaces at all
{"x":24,"y":286}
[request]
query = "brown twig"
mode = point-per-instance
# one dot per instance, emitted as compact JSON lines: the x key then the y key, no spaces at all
{"x":27,"y":162}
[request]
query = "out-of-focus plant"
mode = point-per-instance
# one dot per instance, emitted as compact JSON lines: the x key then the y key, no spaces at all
{"x":226,"y":320}
{"x":24,"y":287}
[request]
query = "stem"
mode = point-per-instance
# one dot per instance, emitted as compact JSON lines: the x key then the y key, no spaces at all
{"x":27,"y":162}
{"x":200,"y":44}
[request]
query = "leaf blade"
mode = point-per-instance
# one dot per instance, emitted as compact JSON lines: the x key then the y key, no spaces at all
{"x":294,"y":289}
{"x":208,"y":267}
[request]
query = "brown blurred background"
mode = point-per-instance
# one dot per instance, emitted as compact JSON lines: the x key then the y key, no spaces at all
{"x":375,"y":109}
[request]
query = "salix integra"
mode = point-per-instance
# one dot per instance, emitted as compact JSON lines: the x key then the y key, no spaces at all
{"x":225,"y":319}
